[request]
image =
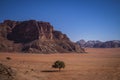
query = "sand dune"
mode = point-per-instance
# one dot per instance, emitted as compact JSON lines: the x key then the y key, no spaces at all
{"x":96,"y":64}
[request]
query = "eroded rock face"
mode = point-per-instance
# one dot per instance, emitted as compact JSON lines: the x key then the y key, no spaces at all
{"x":36,"y":36}
{"x":28,"y":31}
{"x":24,"y":32}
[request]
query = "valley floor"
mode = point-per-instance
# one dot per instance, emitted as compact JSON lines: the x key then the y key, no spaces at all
{"x":96,"y":64}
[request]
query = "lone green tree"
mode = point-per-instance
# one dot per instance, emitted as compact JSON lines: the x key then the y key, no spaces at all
{"x":58,"y":64}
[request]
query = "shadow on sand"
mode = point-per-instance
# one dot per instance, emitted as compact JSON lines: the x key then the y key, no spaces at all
{"x":50,"y":71}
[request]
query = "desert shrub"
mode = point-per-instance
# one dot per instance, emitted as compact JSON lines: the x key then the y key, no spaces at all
{"x":58,"y":64}
{"x":8,"y":58}
{"x":32,"y":69}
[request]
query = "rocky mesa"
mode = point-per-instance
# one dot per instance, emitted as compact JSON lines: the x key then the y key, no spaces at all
{"x":34,"y":37}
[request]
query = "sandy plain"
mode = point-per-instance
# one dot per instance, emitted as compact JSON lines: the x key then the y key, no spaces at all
{"x":96,"y":64}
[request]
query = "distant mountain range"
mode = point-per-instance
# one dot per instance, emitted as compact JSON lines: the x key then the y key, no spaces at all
{"x":99,"y":44}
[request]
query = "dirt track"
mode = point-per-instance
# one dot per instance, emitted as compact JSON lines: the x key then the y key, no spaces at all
{"x":97,"y":64}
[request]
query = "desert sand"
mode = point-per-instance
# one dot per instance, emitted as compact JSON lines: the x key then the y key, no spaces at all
{"x":96,"y":64}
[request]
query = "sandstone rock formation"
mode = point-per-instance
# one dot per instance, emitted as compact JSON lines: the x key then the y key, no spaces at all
{"x":34,"y":36}
{"x":6,"y":73}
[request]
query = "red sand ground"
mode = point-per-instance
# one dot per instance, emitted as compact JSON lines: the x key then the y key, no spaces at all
{"x":96,"y":64}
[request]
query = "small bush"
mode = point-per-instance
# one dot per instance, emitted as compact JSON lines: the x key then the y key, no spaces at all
{"x":58,"y":64}
{"x":32,"y":69}
{"x":8,"y":58}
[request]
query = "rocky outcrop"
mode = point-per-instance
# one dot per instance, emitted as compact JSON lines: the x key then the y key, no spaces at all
{"x":34,"y":36}
{"x":99,"y":44}
{"x":6,"y":73}
{"x":31,"y":30}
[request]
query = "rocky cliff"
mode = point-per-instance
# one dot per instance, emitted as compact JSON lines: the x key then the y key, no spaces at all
{"x":34,"y":36}
{"x":99,"y":44}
